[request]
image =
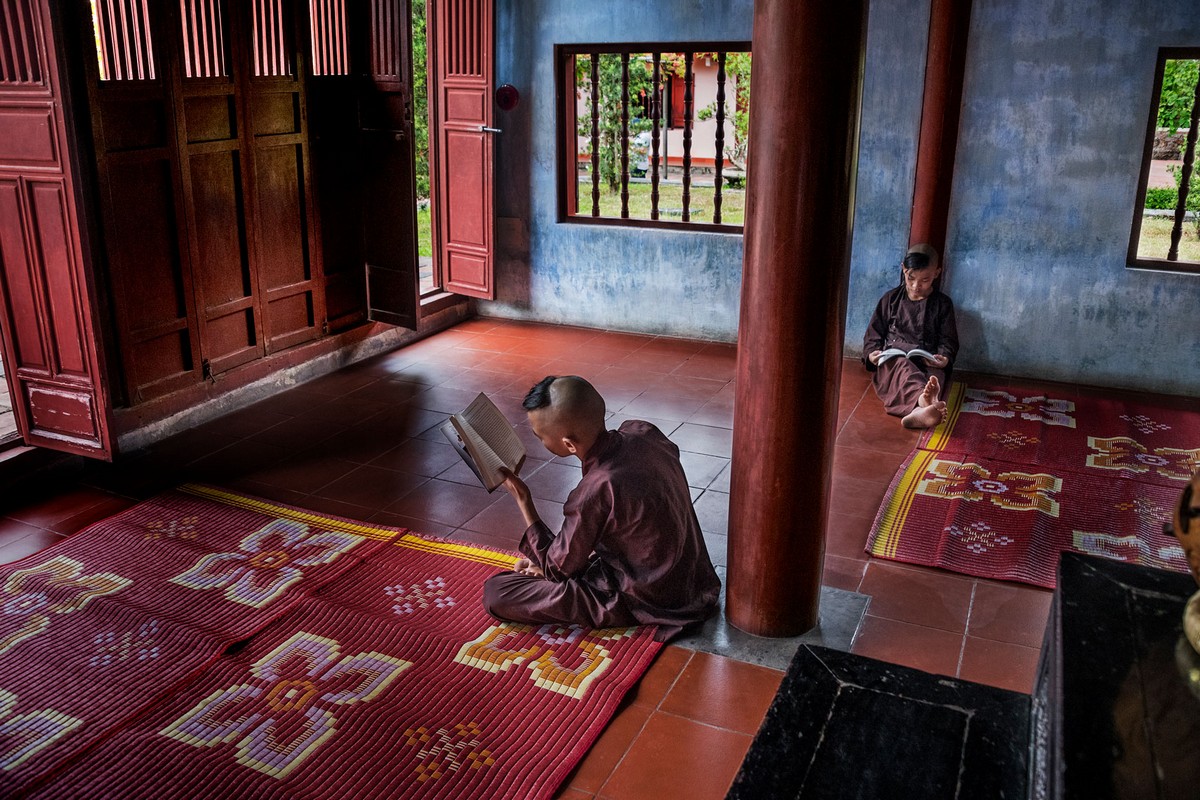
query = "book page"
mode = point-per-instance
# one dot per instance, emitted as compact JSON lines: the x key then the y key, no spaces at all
{"x":495,"y":442}
{"x":451,"y":433}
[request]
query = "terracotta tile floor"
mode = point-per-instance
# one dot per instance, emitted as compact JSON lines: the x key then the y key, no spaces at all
{"x":362,"y":443}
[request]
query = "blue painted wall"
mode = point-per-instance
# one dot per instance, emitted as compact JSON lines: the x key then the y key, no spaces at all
{"x":678,"y":283}
{"x":1055,"y":103}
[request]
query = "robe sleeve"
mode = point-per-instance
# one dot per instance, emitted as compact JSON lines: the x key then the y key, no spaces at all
{"x":947,"y":344}
{"x":567,"y":554}
{"x":876,"y":334}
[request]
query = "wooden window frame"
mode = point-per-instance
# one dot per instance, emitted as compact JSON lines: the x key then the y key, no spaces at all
{"x":565,"y":129}
{"x":1135,"y":261}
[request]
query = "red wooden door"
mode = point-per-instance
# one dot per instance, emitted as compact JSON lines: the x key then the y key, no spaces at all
{"x":385,"y":132}
{"x":199,"y":120}
{"x":291,"y":297}
{"x":50,"y":336}
{"x":141,"y":201}
{"x":461,"y":32}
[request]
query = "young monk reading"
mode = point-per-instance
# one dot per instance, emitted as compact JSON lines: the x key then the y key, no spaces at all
{"x":630,"y":550}
{"x":913,"y":315}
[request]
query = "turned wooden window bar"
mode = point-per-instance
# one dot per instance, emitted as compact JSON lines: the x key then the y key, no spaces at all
{"x":611,"y":96}
{"x":1147,"y":250}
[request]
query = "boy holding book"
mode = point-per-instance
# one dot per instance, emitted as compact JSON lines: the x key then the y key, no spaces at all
{"x":630,"y":551}
{"x":914,"y":315}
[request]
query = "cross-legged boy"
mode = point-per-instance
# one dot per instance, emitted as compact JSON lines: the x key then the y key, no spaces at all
{"x":914,"y":315}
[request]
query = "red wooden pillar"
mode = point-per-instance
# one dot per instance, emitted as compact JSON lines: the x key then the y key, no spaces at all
{"x":808,"y":63}
{"x":949,"y":24}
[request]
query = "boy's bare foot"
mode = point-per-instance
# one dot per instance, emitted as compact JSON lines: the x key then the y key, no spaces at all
{"x":930,"y":395}
{"x":925,"y":416}
{"x":526,"y":567}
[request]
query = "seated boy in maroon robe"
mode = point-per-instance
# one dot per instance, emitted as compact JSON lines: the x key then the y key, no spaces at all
{"x":630,"y":550}
{"x":913,"y":315}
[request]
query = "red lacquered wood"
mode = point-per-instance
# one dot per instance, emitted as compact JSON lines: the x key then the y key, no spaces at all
{"x":808,"y":59}
{"x":47,"y":290}
{"x":949,"y":23}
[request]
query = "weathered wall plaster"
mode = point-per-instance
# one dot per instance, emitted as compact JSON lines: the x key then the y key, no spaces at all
{"x":623,"y":278}
{"x":1055,"y":102}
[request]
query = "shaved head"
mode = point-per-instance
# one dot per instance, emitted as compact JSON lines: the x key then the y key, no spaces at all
{"x":567,"y":413}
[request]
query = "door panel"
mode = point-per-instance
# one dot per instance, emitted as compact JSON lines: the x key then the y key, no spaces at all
{"x":25,"y":334}
{"x":50,"y":338}
{"x":389,"y":193}
{"x":29,"y":137}
{"x":147,"y":273}
{"x":336,"y":169}
{"x":462,"y":58}
{"x":141,"y":208}
{"x":290,"y":287}
{"x":466,"y":159}
{"x":52,"y":238}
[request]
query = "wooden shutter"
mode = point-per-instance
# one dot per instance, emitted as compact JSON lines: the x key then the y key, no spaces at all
{"x":287,"y":250}
{"x":46,"y":310}
{"x":140,"y":196}
{"x":386,"y":148}
{"x":461,"y":31}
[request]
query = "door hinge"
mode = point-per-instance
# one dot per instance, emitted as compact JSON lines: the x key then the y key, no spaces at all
{"x":325,"y":327}
{"x":206,"y":372}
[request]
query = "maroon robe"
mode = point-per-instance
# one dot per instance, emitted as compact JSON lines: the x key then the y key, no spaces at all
{"x":630,"y":551}
{"x":901,"y":322}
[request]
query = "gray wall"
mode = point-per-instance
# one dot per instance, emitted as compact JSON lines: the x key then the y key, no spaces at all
{"x":1055,"y":104}
{"x":678,"y":283}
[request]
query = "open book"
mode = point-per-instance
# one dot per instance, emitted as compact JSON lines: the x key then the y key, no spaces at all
{"x":916,"y":352}
{"x":486,"y":441}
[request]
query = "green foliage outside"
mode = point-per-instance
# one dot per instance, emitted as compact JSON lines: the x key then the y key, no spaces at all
{"x":1155,"y":240}
{"x":641,"y":79}
{"x":1192,"y":203}
{"x":670,"y":202}
{"x":737,"y":68}
{"x":1178,"y":93}
{"x":424,"y":231}
{"x":1161,"y":198}
{"x":420,"y":101}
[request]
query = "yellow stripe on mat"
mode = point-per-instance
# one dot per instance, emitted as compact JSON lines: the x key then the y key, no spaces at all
{"x":264,"y":507}
{"x":887,"y":536}
{"x":453,"y":549}
{"x":456,"y":550}
{"x":941,"y":433}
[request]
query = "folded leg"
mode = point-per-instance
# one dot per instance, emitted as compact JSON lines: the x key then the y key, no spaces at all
{"x":532,"y":600}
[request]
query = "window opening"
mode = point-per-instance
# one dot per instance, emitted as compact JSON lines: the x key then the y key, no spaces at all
{"x":430,"y":280}
{"x":204,"y":51}
{"x":1166,"y":223}
{"x":655,"y":135}
{"x":18,"y":45}
{"x":271,"y":53}
{"x":330,"y":48}
{"x":124,"y":46}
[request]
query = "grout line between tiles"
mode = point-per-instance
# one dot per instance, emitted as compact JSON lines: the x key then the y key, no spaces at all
{"x":966,"y":629}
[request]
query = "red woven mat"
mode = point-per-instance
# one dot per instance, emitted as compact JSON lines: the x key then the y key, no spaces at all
{"x":170,"y":652}
{"x":1012,"y":478}
{"x":1109,"y":438}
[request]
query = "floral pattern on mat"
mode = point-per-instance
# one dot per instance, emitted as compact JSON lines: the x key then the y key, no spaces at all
{"x":289,"y":705}
{"x":32,"y":596}
{"x":1102,"y":473}
{"x":269,"y":561}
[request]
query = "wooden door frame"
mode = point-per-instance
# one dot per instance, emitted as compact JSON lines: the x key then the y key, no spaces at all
{"x":439,"y":49}
{"x":73,"y":413}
